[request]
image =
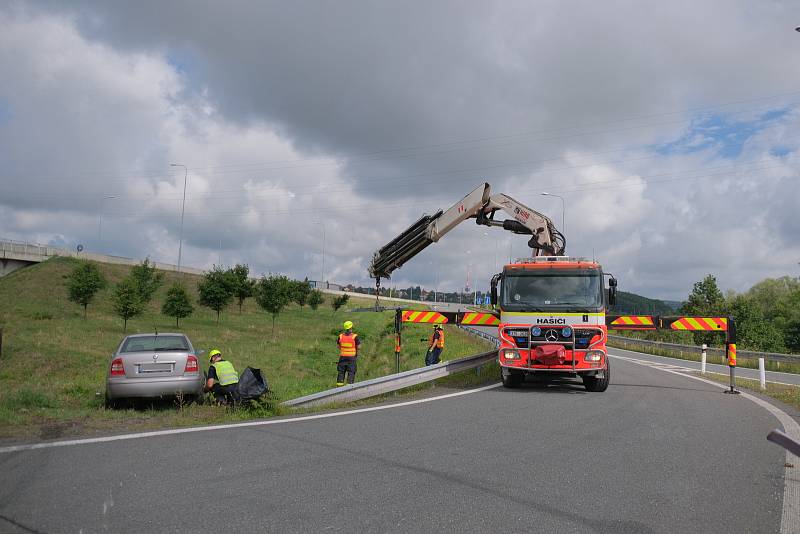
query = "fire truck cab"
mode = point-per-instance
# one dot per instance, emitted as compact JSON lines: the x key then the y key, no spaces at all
{"x":552,"y":320}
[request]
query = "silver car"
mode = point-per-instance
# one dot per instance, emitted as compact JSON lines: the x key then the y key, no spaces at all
{"x":152,"y":366}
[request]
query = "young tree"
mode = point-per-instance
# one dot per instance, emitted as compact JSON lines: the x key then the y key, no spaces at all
{"x":177,"y":304}
{"x":753,"y":331}
{"x":301,"y":292}
{"x":273,"y":294}
{"x":146,"y":280}
{"x":215,"y":290}
{"x":127,"y":301}
{"x":82,"y":284}
{"x":706,"y":300}
{"x":241,"y":285}
{"x":315,"y":298}
{"x":340,"y":301}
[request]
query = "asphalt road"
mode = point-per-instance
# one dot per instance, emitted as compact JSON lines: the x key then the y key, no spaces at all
{"x":655,"y":453}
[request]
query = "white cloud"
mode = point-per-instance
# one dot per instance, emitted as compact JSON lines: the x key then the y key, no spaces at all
{"x":95,"y":104}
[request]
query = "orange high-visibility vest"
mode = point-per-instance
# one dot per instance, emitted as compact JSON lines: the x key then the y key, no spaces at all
{"x":347,"y":345}
{"x":439,"y":342}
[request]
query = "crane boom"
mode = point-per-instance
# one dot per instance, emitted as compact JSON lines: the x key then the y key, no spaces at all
{"x":481,"y":205}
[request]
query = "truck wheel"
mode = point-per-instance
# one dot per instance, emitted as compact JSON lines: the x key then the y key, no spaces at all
{"x":512,"y":380}
{"x":598,"y":385}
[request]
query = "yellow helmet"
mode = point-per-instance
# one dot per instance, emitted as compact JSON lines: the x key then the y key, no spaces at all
{"x":437,"y":325}
{"x":348,"y":325}
{"x":214,"y":352}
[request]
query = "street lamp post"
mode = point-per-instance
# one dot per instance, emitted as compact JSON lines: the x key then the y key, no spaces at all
{"x":100,"y":218}
{"x":322,"y":277}
{"x":183,"y":206}
{"x":563,"y":209}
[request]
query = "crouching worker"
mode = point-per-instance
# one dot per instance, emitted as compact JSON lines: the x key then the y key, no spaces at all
{"x":348,"y":352}
{"x":223,"y":380}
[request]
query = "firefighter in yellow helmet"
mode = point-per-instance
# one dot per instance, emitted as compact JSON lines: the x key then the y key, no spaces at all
{"x":222,"y":379}
{"x":435,"y":345}
{"x":348,"y":343}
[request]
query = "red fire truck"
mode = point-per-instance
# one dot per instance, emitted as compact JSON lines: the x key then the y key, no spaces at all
{"x":552,"y":320}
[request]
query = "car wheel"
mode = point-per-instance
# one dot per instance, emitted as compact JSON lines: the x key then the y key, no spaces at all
{"x":112,"y":404}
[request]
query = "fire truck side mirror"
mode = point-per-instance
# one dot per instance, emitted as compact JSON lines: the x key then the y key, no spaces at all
{"x":495,"y":278}
{"x":612,"y":291}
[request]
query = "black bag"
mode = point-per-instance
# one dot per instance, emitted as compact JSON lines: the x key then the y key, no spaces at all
{"x":251,"y":384}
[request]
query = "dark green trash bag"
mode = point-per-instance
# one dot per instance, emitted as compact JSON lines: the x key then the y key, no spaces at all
{"x":251,"y":384}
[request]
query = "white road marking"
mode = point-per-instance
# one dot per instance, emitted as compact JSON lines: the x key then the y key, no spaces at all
{"x":65,"y":443}
{"x":661,"y":365}
{"x":790,"y":518}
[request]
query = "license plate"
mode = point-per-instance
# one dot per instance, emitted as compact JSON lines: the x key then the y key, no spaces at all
{"x":155,"y":368}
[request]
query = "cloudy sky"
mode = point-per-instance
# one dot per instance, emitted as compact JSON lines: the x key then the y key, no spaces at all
{"x":669,"y":128}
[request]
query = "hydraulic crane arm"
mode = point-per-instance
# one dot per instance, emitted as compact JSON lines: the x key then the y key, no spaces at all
{"x":481,"y":205}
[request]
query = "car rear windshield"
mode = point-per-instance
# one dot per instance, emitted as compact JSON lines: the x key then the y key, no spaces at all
{"x":148,"y":343}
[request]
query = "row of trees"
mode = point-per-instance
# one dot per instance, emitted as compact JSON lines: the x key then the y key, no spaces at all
{"x":767,"y":316}
{"x":130,"y":295}
{"x":217,"y":289}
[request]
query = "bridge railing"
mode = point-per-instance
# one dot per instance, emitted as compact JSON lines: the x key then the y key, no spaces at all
{"x":10,"y":248}
{"x":693,"y":350}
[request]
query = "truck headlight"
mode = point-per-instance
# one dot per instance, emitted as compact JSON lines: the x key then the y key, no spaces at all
{"x":510,"y":354}
{"x":593,"y":356}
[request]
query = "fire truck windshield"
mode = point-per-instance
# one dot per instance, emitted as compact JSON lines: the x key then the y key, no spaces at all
{"x":532,"y":291}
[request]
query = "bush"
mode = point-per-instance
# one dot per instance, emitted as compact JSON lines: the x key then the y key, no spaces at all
{"x":273,"y":294}
{"x":240,"y":283}
{"x":83,"y":283}
{"x":315,"y":298}
{"x":216,"y":290}
{"x":146,"y":280}
{"x":300,"y":292}
{"x":177,"y":304}
{"x":340,"y":301}
{"x":127,"y":301}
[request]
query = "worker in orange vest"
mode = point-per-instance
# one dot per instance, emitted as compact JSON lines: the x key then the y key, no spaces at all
{"x":348,"y":343}
{"x":435,"y":345}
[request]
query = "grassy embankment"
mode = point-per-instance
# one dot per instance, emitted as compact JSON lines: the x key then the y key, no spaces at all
{"x":54,"y":362}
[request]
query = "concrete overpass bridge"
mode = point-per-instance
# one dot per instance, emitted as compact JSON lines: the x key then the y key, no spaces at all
{"x":15,"y":255}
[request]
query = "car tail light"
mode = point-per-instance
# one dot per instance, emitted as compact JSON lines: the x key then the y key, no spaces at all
{"x":117,"y":369}
{"x":191,"y":364}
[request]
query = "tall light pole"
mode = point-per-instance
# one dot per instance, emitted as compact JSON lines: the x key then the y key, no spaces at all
{"x":563,"y":209}
{"x":322,"y":277}
{"x":100,"y":218}
{"x":183,"y":206}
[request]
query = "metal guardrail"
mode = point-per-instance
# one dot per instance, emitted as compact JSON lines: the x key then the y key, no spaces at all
{"x":692,"y":350}
{"x":387,"y":384}
{"x":480,"y":333}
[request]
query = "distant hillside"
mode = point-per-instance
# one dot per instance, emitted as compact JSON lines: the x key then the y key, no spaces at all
{"x":636,"y":304}
{"x":674,"y":304}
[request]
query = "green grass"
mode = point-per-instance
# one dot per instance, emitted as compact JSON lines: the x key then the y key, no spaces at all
{"x":54,"y":362}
